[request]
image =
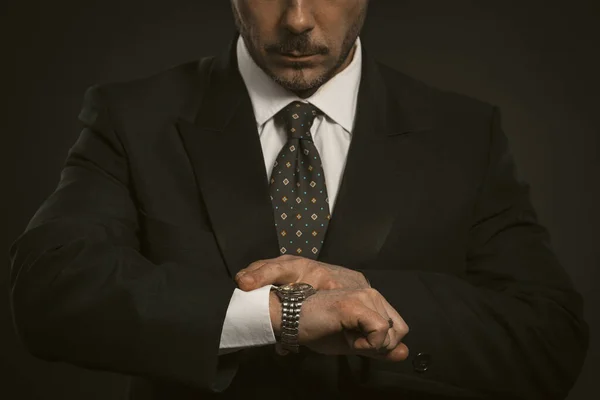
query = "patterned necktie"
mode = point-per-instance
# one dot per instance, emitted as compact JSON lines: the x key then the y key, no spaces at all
{"x":298,"y":191}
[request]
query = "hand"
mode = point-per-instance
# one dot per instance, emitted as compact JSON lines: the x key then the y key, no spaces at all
{"x":287,"y":269}
{"x":343,"y":321}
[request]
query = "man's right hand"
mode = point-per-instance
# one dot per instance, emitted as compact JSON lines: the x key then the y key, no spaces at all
{"x":345,"y":321}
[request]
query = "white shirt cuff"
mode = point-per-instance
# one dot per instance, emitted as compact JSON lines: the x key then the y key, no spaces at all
{"x":248,"y":321}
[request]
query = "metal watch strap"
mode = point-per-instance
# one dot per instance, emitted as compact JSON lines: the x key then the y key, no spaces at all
{"x":290,"y":321}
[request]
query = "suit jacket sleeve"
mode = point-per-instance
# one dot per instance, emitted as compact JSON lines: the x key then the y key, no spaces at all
{"x":83,"y":293}
{"x":512,"y":326}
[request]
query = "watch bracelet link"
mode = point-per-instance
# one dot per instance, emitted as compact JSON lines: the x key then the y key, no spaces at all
{"x":290,"y":321}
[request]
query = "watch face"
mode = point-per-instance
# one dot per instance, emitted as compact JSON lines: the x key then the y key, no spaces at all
{"x":296,"y":287}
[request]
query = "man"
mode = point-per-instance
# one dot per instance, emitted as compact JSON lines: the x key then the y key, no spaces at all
{"x":433,"y":277}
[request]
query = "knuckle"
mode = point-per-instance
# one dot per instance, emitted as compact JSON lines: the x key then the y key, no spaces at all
{"x":368,"y":293}
{"x":344,"y":302}
{"x":327,"y":285}
{"x":318,"y":269}
{"x":382,"y":326}
{"x":402,"y":329}
{"x":345,"y":306}
{"x":322,"y":275}
{"x":330,"y":284}
{"x":405,"y":329}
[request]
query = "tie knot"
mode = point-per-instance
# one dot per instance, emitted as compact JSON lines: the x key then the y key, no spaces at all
{"x":297,"y":118}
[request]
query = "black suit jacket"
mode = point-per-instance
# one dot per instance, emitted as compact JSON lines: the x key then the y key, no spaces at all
{"x":128,"y":266}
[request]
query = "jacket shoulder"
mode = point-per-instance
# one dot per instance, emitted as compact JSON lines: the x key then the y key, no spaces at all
{"x":162,"y":93}
{"x":440,"y":100}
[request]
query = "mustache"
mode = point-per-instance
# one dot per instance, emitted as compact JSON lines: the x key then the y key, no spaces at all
{"x":300,"y":44}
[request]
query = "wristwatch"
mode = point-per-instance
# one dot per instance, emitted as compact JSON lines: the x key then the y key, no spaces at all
{"x":291,"y":295}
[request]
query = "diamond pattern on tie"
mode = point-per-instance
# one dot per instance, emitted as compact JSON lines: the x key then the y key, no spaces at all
{"x":298,"y":174}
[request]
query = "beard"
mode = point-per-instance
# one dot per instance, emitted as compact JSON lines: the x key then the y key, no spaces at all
{"x":298,"y":82}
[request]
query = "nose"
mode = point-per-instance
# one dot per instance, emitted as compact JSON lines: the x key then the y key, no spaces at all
{"x":298,"y":16}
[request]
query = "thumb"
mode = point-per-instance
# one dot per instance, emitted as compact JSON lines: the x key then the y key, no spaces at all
{"x":271,"y":273}
{"x":367,"y":330}
{"x":398,"y":353}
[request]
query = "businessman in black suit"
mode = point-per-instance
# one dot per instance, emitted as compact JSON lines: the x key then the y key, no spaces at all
{"x":129,"y":266}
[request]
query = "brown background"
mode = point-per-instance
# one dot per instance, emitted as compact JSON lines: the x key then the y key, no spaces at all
{"x":538,"y":60}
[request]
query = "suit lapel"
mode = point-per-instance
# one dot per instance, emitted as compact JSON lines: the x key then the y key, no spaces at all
{"x":223,"y":145}
{"x":370,"y":193}
{"x":221,"y":139}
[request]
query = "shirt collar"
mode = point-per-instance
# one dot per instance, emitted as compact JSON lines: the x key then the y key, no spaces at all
{"x":336,"y":98}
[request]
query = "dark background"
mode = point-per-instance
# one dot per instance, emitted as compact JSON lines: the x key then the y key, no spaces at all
{"x":538,"y":60}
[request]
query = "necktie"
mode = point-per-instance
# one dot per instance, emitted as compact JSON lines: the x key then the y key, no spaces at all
{"x":297,"y":188}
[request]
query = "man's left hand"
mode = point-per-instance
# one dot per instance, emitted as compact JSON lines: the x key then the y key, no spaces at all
{"x":288,"y":268}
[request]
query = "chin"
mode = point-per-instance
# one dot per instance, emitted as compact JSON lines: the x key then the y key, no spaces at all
{"x":298,"y":86}
{"x":298,"y":80}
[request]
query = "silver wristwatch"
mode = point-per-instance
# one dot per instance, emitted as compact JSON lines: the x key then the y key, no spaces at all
{"x":291,"y":295}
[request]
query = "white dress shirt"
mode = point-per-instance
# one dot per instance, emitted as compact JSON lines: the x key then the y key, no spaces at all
{"x":248,"y":320}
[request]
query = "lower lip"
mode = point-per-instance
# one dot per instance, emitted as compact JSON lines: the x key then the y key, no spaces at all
{"x":294,"y":58}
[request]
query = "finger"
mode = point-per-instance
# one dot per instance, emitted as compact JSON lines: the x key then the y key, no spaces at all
{"x":399,"y":325}
{"x":376,"y":302}
{"x":396,"y":332}
{"x":259,"y":263}
{"x":270,"y":273}
{"x":393,"y":338}
{"x":252,"y":266}
{"x":390,"y":339}
{"x":393,"y":319}
{"x":399,"y":353}
{"x":373,"y":329}
{"x":248,"y":284}
{"x":355,"y":342}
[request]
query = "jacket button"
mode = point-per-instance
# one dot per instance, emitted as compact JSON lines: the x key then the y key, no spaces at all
{"x":421,"y":362}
